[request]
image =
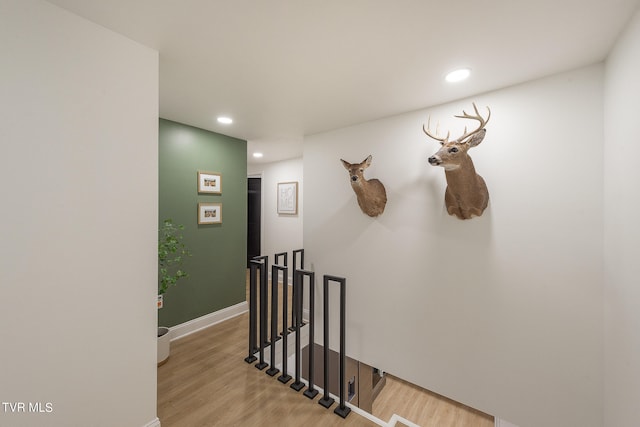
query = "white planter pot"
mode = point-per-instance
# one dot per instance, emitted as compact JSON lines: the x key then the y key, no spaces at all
{"x":164,"y":344}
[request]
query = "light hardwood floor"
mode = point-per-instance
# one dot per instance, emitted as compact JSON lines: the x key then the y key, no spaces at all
{"x":425,"y":408}
{"x":206,"y":382}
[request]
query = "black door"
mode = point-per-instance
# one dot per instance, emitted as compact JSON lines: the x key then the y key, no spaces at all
{"x":253,"y":217}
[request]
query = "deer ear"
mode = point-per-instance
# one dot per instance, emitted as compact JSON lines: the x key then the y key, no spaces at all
{"x":477,"y":138}
{"x":346,"y":164}
{"x":367,"y":161}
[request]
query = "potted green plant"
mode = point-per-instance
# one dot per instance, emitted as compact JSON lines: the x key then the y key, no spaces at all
{"x":171,"y":254}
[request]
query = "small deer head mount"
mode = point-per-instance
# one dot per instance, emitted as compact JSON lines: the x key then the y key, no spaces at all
{"x":371,"y":194}
{"x":466,"y":194}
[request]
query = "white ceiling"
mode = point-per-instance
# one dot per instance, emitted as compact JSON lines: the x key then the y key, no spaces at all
{"x":288,"y":68}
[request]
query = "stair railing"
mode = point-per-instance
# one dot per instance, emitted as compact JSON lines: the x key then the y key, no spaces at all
{"x":258,"y":268}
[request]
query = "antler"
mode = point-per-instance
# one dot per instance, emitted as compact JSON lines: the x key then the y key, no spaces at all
{"x":436,"y":137}
{"x":478,"y":117}
{"x":465,"y":115}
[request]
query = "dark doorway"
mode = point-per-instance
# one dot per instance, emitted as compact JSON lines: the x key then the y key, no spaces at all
{"x":254,"y":200}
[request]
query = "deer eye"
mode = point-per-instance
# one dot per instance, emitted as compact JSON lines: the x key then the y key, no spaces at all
{"x":453,"y":150}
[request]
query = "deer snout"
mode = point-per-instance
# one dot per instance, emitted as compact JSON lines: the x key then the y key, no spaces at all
{"x":434,"y":160}
{"x":354,"y":178}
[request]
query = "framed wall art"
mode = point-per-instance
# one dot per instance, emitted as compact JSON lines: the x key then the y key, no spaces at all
{"x":209,"y":213}
{"x":288,"y":198}
{"x":209,"y":182}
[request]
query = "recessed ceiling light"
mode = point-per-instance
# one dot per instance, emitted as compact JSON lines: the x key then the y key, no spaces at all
{"x":458,"y":75}
{"x":257,"y":155}
{"x":225,"y":120}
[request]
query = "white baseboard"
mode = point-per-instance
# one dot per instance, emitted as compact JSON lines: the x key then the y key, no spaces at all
{"x":289,"y":282}
{"x":395,"y":418}
{"x":195,"y":325}
{"x":154,"y":423}
{"x":503,"y":423}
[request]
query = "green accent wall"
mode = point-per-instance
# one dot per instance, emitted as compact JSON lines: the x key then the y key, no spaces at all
{"x":217,"y":267}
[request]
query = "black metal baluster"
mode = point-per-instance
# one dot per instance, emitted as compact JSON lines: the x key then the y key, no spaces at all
{"x":275,"y":269}
{"x":285,"y":291}
{"x":264,"y":297}
{"x":297,"y":385}
{"x":295,"y":267}
{"x":253,"y":308}
{"x":285,"y":377}
{"x":311,"y":392}
{"x":342,"y":409}
{"x":284,"y":255}
{"x":295,"y":259}
{"x":326,"y":400}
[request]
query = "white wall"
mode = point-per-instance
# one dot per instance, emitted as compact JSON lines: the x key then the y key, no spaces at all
{"x":78,"y":128}
{"x":280,"y":233}
{"x":622,"y":231}
{"x":502,"y":312}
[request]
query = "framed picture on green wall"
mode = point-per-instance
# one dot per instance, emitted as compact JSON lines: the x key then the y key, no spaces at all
{"x":209,"y":182}
{"x":209,"y":213}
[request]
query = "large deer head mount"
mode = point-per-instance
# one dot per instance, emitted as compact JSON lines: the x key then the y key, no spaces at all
{"x":466,"y":194}
{"x":371,"y":194}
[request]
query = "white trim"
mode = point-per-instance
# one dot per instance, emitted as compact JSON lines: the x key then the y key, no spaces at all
{"x":289,"y":279}
{"x":200,"y":323}
{"x":503,"y":423}
{"x":395,"y":418}
{"x":154,"y":423}
{"x":362,"y":412}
